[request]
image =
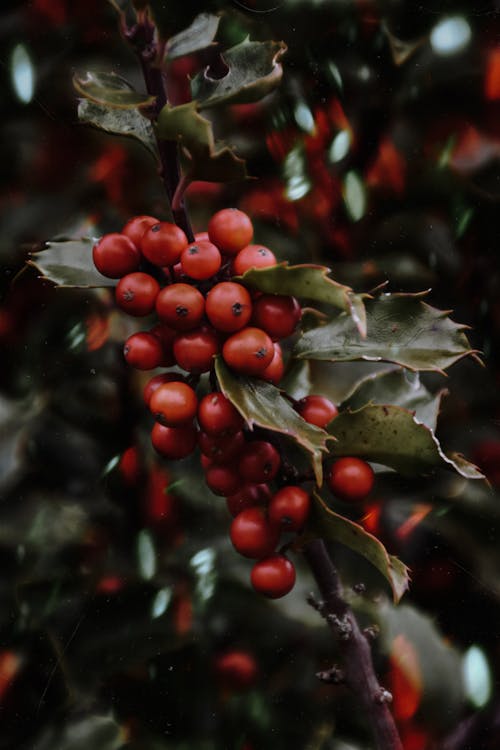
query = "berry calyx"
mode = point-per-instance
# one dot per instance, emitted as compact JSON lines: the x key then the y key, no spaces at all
{"x":135,"y":228}
{"x":253,"y":256}
{"x":173,"y":403}
{"x":277,"y":315}
{"x":252,"y":535}
{"x":231,"y":230}
{"x":248,"y":351}
{"x":218,"y":416}
{"x":289,"y":508}
{"x":180,"y":306}
{"x":259,"y":462}
{"x":274,"y":576}
{"x":228,"y":306}
{"x":200,"y":260}
{"x":163,"y":243}
{"x":174,"y":442}
{"x":317,"y":410}
{"x":351,"y":479}
{"x":136,"y":294}
{"x":194,"y":351}
{"x":115,"y":255}
{"x":143,"y":351}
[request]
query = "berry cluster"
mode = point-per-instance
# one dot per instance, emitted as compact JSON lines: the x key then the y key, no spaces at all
{"x":202,"y":311}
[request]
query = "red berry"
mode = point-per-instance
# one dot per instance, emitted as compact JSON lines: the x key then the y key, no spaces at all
{"x":274,"y":576}
{"x":252,"y":535}
{"x":351,"y":479}
{"x":159,"y":506}
{"x":222,"y":480}
{"x":130,"y":466}
{"x":277,"y":315}
{"x":274,"y":371}
{"x":174,"y":403}
{"x":166,"y":335}
{"x":136,"y":293}
{"x":199,"y":236}
{"x":260,"y":462}
{"x":180,"y":306}
{"x":200,"y":260}
{"x":289,"y":508}
{"x":317,"y":410}
{"x":248,"y":497}
{"x":248,"y":351}
{"x":135,"y":228}
{"x":194,"y":351}
{"x":174,"y":442}
{"x":236,"y":670}
{"x":163,"y":243}
{"x":115,"y":255}
{"x":155,"y":382}
{"x":143,"y":351}
{"x":217,"y":415}
{"x":228,"y":306}
{"x":253,"y":256}
{"x":221,"y":449}
{"x":231,"y":230}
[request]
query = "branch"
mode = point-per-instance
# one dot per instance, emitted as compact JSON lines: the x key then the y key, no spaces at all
{"x":358,"y":672}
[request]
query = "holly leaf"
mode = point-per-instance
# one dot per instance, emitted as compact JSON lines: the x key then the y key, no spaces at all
{"x":254,"y":69}
{"x":199,"y":35}
{"x":69,"y":263}
{"x":336,"y":528}
{"x":392,"y":436}
{"x":310,"y":282}
{"x":202,"y":157}
{"x":110,"y":90}
{"x":400,"y":329}
{"x":127,"y":122}
{"x":399,"y":388}
{"x":262,"y":404}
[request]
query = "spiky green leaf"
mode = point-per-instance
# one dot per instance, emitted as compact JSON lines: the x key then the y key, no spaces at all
{"x":129,"y":122}
{"x":110,"y":90}
{"x":69,"y":263}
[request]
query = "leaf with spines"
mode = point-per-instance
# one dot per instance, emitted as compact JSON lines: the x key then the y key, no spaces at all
{"x":392,"y":436}
{"x":127,"y":122}
{"x":202,"y":157}
{"x":110,"y":90}
{"x":254,"y":70}
{"x":69,"y":263}
{"x":336,"y":528}
{"x":310,"y":282}
{"x":401,"y":328}
{"x":262,"y":404}
{"x":199,"y":35}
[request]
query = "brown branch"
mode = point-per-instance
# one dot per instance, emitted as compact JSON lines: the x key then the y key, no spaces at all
{"x":358,"y":672}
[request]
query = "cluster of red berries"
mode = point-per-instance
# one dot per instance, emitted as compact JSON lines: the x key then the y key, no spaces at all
{"x":202,"y":312}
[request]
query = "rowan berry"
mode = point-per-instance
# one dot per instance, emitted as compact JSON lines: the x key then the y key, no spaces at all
{"x":159,"y":507}
{"x":221,"y":449}
{"x":317,"y":410}
{"x":200,"y":260}
{"x":351,"y":479}
{"x":155,"y":382}
{"x":248,"y":351}
{"x":218,"y":416}
{"x":228,"y":306}
{"x":135,"y":228}
{"x":222,"y":480}
{"x":163,"y":243}
{"x":289,"y":508}
{"x":143,"y":351}
{"x":130,"y":466}
{"x":180,"y":306}
{"x":275,"y":370}
{"x":115,"y":255}
{"x":259,"y":462}
{"x":236,"y":670}
{"x":252,"y":535}
{"x":248,"y":497}
{"x":174,"y":403}
{"x":274,"y":576}
{"x":136,"y":293}
{"x":231,"y":230}
{"x":277,"y":315}
{"x":174,"y":442}
{"x":253,"y":256}
{"x":194,"y":351}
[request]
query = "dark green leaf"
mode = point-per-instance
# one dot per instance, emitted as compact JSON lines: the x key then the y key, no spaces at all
{"x":69,"y":263}
{"x":128,"y":122}
{"x":99,"y":732}
{"x":336,"y":528}
{"x":309,"y":282}
{"x":400,"y":329}
{"x":390,"y":435}
{"x":262,"y":404}
{"x":196,"y":37}
{"x":110,"y":90}
{"x":253,"y":71}
{"x":399,"y":388}
{"x":203,"y":158}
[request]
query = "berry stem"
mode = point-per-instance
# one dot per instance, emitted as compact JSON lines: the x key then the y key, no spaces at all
{"x":357,"y":658}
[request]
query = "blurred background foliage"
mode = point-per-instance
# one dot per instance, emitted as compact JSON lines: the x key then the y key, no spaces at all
{"x":379,"y":155}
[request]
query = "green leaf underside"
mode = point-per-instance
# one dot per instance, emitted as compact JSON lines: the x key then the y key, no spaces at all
{"x":400,"y":329}
{"x":310,"y":282}
{"x":399,"y":388}
{"x":110,"y":90}
{"x":127,"y":122}
{"x":336,"y":528}
{"x":69,"y":263}
{"x":262,"y":404}
{"x":203,"y":158}
{"x":254,"y":70}
{"x":390,"y":435}
{"x":199,"y":35}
